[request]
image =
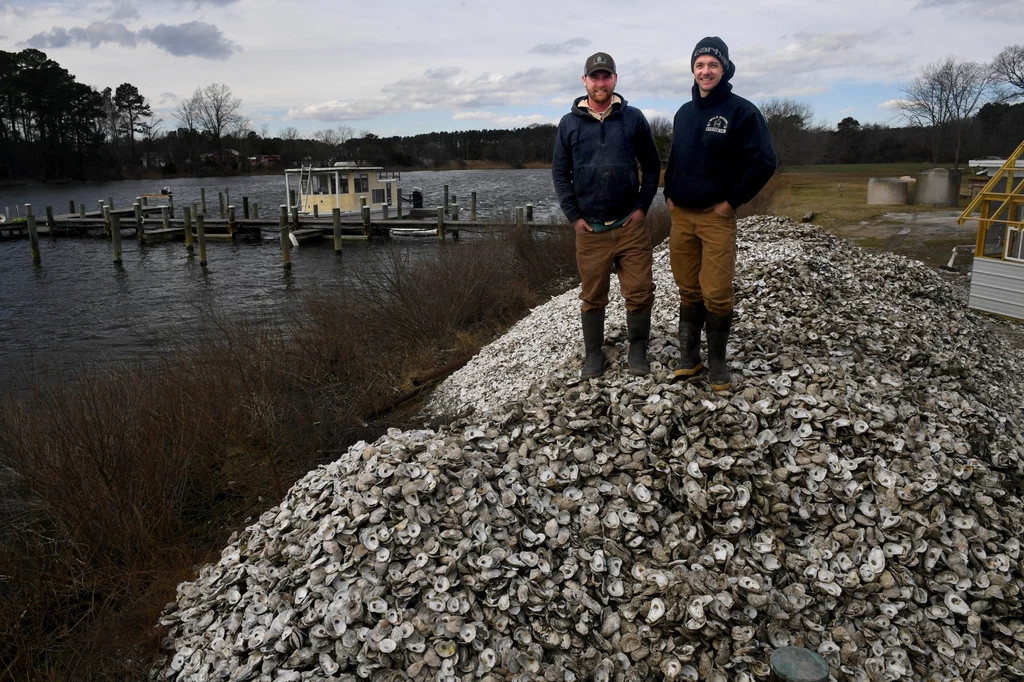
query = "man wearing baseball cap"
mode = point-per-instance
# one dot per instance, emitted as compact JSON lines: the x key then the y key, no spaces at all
{"x":594,"y":169}
{"x":721,"y":157}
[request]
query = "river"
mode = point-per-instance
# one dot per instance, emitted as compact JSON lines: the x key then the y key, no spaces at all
{"x":77,"y":309}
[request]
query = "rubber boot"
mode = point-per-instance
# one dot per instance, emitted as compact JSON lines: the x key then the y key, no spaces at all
{"x":593,"y":342}
{"x":638,"y":331}
{"x":691,"y":321}
{"x":717,"y":329}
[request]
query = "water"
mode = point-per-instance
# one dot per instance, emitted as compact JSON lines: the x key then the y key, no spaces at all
{"x":78,"y":309}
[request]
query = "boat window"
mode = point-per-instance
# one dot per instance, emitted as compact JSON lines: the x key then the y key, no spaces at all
{"x":362,"y":183}
{"x":343,"y":181}
{"x":378,"y":196}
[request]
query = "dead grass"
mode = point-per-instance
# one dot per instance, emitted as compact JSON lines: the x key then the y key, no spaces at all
{"x":116,"y":484}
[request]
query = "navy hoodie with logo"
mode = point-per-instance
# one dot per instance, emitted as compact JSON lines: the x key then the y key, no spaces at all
{"x":721,"y":151}
{"x":594,"y":167}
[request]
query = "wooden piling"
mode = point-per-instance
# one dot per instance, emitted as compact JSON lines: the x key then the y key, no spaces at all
{"x":115,"y":236}
{"x":220,"y":200}
{"x":201,"y":237}
{"x":202,"y":199}
{"x":455,"y":211}
{"x":227,"y":196}
{"x":446,"y":198}
{"x":33,"y":234}
{"x":231,"y":221}
{"x":440,"y":219}
{"x":291,"y":198}
{"x":529,"y":213}
{"x":295,"y":217}
{"x":255,"y":210}
{"x":285,"y":245}
{"x":71,"y":207}
{"x":336,"y":217}
{"x":81,"y":210}
{"x":245,"y":207}
{"x":170,"y":204}
{"x":107,"y":225}
{"x":100,"y":202}
{"x":140,"y":231}
{"x":50,"y":222}
{"x":384,"y":211}
{"x":195,"y":209}
{"x":187,"y":215}
{"x":316,"y":210}
{"x":366,"y":220}
{"x":110,"y":203}
{"x":472,"y":204}
{"x":165,"y":217}
{"x":145,"y":201}
{"x":398,"y":189}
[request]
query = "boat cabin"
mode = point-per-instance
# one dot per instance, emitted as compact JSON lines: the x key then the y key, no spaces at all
{"x":997,"y":279}
{"x":343,"y":185}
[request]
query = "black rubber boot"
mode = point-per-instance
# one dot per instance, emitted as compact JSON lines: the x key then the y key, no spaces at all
{"x":638,"y":331}
{"x":593,"y":341}
{"x":717,"y":329}
{"x":691,"y":321}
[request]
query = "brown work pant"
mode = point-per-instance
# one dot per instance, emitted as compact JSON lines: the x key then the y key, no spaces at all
{"x":629,"y":249}
{"x":702,"y":250}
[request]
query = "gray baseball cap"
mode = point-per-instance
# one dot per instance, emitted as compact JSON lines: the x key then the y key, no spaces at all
{"x":599,"y":61}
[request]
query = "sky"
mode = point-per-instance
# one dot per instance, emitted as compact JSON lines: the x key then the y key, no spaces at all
{"x":418,"y":66}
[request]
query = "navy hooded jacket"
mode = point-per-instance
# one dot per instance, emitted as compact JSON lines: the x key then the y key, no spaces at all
{"x":721,"y":151}
{"x":594,"y":167}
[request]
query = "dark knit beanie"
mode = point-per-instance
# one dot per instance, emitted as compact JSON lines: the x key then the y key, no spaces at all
{"x":714,"y":46}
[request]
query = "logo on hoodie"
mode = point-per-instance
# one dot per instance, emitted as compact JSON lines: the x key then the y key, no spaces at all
{"x":717,"y":124}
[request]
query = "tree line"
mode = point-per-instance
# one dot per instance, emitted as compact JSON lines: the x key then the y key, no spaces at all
{"x":54,"y":128}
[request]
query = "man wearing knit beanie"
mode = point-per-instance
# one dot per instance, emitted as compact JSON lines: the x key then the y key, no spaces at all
{"x":721,"y":157}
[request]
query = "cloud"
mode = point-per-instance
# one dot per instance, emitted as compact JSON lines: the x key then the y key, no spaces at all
{"x":560,"y":49}
{"x":216,"y":3}
{"x":196,"y":38}
{"x":503,"y":120}
{"x":123,"y":9}
{"x":996,"y":10}
{"x":890,"y":104}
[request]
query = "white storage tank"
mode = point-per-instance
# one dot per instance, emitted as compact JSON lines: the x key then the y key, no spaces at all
{"x":938,"y":187}
{"x":887,"y":191}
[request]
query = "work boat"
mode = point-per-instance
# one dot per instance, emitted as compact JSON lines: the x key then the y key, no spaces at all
{"x":344,"y":186}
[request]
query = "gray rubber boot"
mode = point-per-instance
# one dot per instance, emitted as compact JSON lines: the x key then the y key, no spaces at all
{"x":717,"y":329}
{"x":691,"y":321}
{"x":638,"y":331}
{"x":593,"y":342}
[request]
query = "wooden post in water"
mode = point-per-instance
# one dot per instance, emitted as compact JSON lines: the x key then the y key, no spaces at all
{"x":231,"y":221}
{"x":165,"y":217}
{"x":145,"y":201}
{"x":187,"y":215}
{"x":285,"y":245}
{"x":316,"y":210}
{"x":50,"y":222}
{"x":110,"y":203}
{"x":440,"y":220}
{"x":446,"y":198}
{"x":201,"y":236}
{"x":472,"y":205}
{"x":81,"y":210}
{"x":291,"y":198}
{"x":519,"y":216}
{"x":256,"y":210}
{"x":107,"y":225}
{"x":529,"y":213}
{"x":100,"y":202}
{"x":384,"y":211}
{"x":245,"y":207}
{"x":295,"y":217}
{"x":202,"y":199}
{"x":399,"y":190}
{"x":195,"y":209}
{"x":336,"y":217}
{"x":170,"y":204}
{"x":220,"y":200}
{"x":115,"y":236}
{"x":71,"y":207}
{"x":455,"y":211}
{"x":366,"y":220}
{"x":140,"y":231}
{"x":227,"y":196}
{"x":33,"y":235}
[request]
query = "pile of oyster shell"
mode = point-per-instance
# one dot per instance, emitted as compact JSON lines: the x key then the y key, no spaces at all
{"x":858,"y":493}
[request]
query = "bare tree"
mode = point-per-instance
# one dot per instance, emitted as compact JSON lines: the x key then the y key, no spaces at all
{"x":661,"y":127}
{"x":186,"y":113}
{"x":330,"y":139}
{"x":218,"y":111}
{"x":944,"y":99}
{"x":788,"y":123}
{"x":1009,"y":71}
